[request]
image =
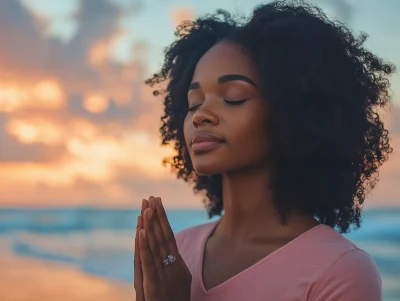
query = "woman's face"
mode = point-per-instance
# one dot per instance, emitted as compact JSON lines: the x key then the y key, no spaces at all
{"x":226,"y":126}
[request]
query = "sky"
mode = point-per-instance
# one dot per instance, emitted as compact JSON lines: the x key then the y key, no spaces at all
{"x":77,"y":125}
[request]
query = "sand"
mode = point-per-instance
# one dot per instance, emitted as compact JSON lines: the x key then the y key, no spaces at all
{"x":31,"y":279}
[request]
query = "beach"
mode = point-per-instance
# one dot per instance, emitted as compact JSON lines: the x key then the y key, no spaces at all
{"x":23,"y":279}
{"x":87,"y":253}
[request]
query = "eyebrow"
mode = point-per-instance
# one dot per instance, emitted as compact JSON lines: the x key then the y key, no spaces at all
{"x":226,"y":78}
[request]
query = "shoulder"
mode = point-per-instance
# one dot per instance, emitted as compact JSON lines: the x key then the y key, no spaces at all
{"x":324,"y":246}
{"x":320,"y":248}
{"x":337,"y":268}
{"x":349,"y":274}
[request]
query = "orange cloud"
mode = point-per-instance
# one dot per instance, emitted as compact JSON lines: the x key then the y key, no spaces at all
{"x":77,"y":128}
{"x":95,"y":103}
{"x":101,"y":50}
{"x":37,"y":131}
{"x":180,"y":14}
{"x":47,"y":93}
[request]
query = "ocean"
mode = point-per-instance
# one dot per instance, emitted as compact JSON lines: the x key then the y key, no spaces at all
{"x":100,"y":241}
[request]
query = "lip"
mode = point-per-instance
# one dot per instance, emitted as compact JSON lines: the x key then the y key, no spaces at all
{"x":203,"y":141}
{"x":205,"y":137}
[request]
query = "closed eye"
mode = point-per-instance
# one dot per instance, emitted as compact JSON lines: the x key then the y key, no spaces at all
{"x":191,"y":109}
{"x":230,"y":102}
{"x":235,"y":102}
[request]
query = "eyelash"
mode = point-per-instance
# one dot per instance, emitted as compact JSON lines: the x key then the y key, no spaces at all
{"x":230,"y":102}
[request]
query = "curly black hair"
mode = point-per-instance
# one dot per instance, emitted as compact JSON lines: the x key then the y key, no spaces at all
{"x":324,"y":91}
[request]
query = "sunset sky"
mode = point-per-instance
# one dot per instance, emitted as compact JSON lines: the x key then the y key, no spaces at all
{"x":77,"y":124}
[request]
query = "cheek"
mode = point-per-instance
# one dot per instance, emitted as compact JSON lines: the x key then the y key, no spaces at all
{"x":187,"y":129}
{"x":250,"y":129}
{"x":250,"y":137}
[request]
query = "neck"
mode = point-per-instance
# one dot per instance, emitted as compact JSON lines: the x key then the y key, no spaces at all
{"x":249,"y":213}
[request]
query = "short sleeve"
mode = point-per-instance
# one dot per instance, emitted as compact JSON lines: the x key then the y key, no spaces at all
{"x":353,"y":277}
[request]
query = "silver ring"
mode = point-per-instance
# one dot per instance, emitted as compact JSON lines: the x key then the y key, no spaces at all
{"x":170,"y":259}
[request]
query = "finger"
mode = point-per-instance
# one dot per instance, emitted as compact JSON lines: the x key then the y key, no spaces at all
{"x":166,"y":227}
{"x":150,"y":276}
{"x":140,"y":222}
{"x":138,"y":276}
{"x":151,"y":240}
{"x":145,"y":205}
{"x":160,"y":237}
{"x":152,"y":202}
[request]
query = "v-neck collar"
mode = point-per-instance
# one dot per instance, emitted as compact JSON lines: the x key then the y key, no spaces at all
{"x":207,"y":235}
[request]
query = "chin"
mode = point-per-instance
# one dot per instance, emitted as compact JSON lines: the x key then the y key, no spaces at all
{"x":203,"y":168}
{"x":206,"y":170}
{"x":207,"y":167}
{"x":213,"y":167}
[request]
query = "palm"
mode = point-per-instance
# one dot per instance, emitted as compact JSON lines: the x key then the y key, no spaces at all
{"x":155,"y":241}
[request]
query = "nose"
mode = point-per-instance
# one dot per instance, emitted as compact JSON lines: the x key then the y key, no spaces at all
{"x":204,"y":116}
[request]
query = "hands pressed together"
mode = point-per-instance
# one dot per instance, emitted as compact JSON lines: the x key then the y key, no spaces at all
{"x":158,"y":276}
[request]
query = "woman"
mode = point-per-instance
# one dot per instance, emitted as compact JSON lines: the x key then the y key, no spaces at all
{"x":276,"y":120}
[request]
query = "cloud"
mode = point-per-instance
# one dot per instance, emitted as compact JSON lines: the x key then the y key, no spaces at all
{"x":77,"y":127}
{"x":182,"y":13}
{"x":82,"y":66}
{"x":393,"y":119}
{"x":75,"y":123}
{"x":15,"y":148}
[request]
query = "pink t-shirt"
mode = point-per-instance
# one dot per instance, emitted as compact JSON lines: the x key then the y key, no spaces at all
{"x":318,"y":265}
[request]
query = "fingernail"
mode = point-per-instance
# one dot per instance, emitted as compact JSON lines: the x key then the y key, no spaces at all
{"x":143,"y":233}
{"x":159,"y":202}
